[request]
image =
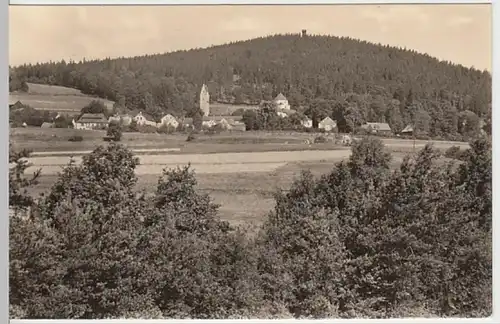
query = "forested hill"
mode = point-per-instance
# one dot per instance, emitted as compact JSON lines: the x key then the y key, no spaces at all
{"x":369,"y":82}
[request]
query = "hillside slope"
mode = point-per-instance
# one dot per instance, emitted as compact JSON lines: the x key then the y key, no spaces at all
{"x":340,"y":76}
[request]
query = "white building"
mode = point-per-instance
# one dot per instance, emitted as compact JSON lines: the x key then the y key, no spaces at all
{"x":307,"y":122}
{"x":327,"y":124}
{"x":281,"y":114}
{"x":91,"y":121}
{"x":141,"y":120}
{"x":168,"y":120}
{"x":281,"y":102}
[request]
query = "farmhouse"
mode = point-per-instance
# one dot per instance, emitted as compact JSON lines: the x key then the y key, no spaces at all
{"x":238,"y":126}
{"x":327,"y":124}
{"x":168,"y":120}
{"x":14,"y":103}
{"x":187,"y":122}
{"x":210,"y":121}
{"x":91,"y":121}
{"x":224,"y":124}
{"x":123,"y":120}
{"x":114,"y":119}
{"x":378,"y":128}
{"x":141,"y":120}
{"x":408,"y":130}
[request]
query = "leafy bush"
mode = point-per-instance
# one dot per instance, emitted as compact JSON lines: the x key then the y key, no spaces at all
{"x":114,"y":132}
{"x":320,"y":139}
{"x":75,"y":138}
{"x":454,"y":152}
{"x":191,"y":137}
{"x":166,"y":129}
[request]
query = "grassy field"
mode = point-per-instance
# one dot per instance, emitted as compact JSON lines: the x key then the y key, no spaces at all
{"x":241,"y":178}
{"x":45,"y":89}
{"x":244,"y":197}
{"x":64,"y":103}
{"x":56,"y":140}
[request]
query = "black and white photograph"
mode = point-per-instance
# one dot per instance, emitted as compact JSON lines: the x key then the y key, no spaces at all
{"x":250,"y":161}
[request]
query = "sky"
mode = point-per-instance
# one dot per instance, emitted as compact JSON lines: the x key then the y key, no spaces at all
{"x":456,"y":33}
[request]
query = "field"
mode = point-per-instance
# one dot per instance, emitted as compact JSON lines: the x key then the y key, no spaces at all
{"x":243,"y":190}
{"x":50,"y":140}
{"x":240,"y":171}
{"x":45,"y":89}
{"x":55,"y":98}
{"x":244,"y":197}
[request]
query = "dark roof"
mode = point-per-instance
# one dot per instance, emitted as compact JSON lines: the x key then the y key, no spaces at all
{"x":378,"y":126}
{"x":93,"y":118}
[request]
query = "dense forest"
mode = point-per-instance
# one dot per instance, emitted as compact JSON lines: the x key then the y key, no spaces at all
{"x":353,"y":81}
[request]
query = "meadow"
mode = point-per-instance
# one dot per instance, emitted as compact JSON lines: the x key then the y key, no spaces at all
{"x":240,"y":171}
{"x":51,"y":140}
{"x":245,"y":195}
{"x":55,"y":98}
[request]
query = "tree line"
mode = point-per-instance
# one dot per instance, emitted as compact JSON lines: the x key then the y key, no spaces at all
{"x":363,"y":240}
{"x":351,"y":80}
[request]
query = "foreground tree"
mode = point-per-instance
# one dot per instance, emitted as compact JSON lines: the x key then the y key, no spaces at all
{"x":114,"y":132}
{"x":360,"y":241}
{"x":19,"y":199}
{"x":412,"y":242}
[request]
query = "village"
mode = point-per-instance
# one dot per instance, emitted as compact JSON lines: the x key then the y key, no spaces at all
{"x":215,"y":115}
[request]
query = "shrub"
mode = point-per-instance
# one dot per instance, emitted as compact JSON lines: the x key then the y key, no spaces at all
{"x":166,"y":129}
{"x":320,"y":139}
{"x":191,"y":137}
{"x":148,"y":129}
{"x":454,"y":152}
{"x":75,"y":138}
{"x":19,"y":200}
{"x":114,"y":132}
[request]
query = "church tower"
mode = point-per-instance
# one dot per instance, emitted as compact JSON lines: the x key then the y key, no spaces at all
{"x":205,"y":100}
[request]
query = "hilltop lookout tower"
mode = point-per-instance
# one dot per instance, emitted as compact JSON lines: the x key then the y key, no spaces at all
{"x":304,"y":33}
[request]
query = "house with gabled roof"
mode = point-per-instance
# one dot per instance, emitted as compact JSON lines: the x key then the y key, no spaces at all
{"x":90,"y":121}
{"x":408,"y":130}
{"x":168,"y":120}
{"x":378,"y":128}
{"x":144,"y":120}
{"x":327,"y":124}
{"x":238,"y":126}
